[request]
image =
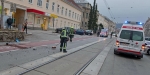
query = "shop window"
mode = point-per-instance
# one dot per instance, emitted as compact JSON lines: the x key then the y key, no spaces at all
{"x":53,"y":5}
{"x":58,"y":8}
{"x":38,"y":21}
{"x":66,"y":12}
{"x":47,"y":4}
{"x":39,"y":2}
{"x":30,"y":1}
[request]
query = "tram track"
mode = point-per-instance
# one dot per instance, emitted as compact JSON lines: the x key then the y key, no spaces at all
{"x":83,"y":67}
{"x":49,"y":62}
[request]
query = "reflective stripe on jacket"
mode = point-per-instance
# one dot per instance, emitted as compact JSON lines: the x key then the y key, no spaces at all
{"x":63,"y":33}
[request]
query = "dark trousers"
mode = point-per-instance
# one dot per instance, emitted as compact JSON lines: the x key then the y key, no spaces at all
{"x":25,"y":28}
{"x":98,"y":34}
{"x":63,"y":43}
{"x":71,"y":36}
{"x":9,"y":26}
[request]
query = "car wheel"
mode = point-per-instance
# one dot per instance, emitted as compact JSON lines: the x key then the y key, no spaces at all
{"x":148,"y":52}
{"x":115,"y":52}
{"x":139,"y":57}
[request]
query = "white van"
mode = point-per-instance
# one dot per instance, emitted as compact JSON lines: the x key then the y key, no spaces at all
{"x":131,"y":39}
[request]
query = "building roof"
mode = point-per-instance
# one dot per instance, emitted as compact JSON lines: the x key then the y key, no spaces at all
{"x":72,"y":3}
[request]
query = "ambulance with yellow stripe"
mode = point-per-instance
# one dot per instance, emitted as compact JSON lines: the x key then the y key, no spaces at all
{"x":131,"y":39}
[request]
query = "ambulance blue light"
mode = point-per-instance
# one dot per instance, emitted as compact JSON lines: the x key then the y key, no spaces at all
{"x":139,"y":23}
{"x":126,"y":22}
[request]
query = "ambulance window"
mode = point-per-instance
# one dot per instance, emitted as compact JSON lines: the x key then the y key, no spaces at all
{"x":131,"y":35}
{"x":125,"y":34}
{"x":137,"y":36}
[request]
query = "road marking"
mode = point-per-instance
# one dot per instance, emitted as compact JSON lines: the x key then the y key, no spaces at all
{"x":95,"y":66}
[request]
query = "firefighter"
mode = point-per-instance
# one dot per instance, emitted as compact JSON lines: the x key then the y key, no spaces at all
{"x":63,"y":40}
{"x":71,"y":33}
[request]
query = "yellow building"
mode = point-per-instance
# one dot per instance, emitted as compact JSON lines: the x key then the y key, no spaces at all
{"x":65,"y":12}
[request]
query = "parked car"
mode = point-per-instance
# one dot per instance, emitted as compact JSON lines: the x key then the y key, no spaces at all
{"x":80,"y":32}
{"x":58,"y":30}
{"x":88,"y":32}
{"x":147,"y":43}
{"x":104,"y":33}
{"x":147,"y":39}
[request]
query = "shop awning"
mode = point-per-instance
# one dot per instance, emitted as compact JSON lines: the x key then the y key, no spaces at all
{"x":36,"y":11}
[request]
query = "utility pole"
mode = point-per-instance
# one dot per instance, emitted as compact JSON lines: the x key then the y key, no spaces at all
{"x":2,"y":9}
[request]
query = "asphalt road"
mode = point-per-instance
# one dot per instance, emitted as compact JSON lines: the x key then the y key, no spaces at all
{"x":70,"y":64}
{"x":125,"y":65}
{"x":10,"y":59}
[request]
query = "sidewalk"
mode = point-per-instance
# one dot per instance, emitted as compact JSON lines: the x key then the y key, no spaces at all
{"x":36,"y":35}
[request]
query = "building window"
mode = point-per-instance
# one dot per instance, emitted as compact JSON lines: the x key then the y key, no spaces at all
{"x":68,"y":24}
{"x":85,"y":23}
{"x":72,"y":14}
{"x":62,"y":10}
{"x":58,"y":9}
{"x":86,"y":15}
{"x":83,"y":14}
{"x":53,"y":5}
{"x":39,"y":2}
{"x":66,"y":12}
{"x":47,"y":4}
{"x":30,"y":1}
{"x":69,"y":13}
{"x":75,"y":15}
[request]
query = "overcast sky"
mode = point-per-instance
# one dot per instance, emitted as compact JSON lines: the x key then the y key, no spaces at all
{"x":122,"y":10}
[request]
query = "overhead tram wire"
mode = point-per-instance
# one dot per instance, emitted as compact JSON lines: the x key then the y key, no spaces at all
{"x":109,"y":10}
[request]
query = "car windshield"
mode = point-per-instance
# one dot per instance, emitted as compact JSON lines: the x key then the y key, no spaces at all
{"x":131,"y":35}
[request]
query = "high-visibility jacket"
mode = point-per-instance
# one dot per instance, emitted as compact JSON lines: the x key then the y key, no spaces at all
{"x":63,"y":33}
{"x":71,"y":31}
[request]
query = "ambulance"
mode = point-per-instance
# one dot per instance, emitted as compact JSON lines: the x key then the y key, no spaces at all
{"x":131,"y":39}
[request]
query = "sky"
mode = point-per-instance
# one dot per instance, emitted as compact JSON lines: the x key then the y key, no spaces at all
{"x":125,"y":10}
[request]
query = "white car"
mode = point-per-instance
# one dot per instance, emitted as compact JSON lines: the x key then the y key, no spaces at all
{"x":131,"y":39}
{"x":147,"y":43}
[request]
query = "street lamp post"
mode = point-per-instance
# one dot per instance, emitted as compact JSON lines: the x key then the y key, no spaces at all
{"x":2,"y":9}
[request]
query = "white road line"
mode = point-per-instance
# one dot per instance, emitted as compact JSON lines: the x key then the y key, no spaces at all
{"x":95,"y":66}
